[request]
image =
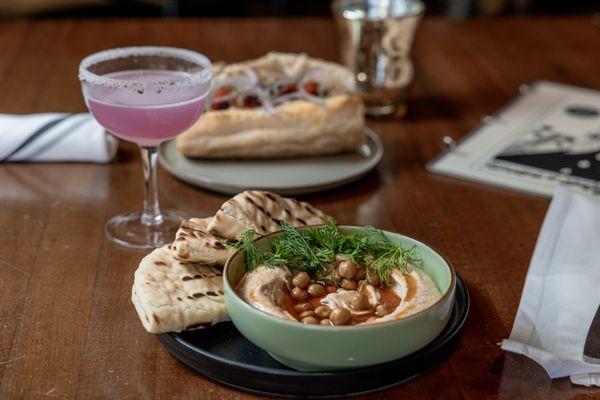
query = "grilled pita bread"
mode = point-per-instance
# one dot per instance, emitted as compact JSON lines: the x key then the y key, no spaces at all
{"x":194,"y":243}
{"x":263,"y":212}
{"x":172,"y":296}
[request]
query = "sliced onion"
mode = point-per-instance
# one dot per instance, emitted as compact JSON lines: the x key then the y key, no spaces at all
{"x":240,"y":84}
{"x":314,"y":75}
{"x":262,"y":96}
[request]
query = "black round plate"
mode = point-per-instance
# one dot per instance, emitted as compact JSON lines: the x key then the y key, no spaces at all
{"x":223,"y":354}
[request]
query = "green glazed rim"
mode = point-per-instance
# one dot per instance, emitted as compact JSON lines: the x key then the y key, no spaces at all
{"x":449,"y":292}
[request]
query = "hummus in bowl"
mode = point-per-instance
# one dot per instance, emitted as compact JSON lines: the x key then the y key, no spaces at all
{"x":341,"y":310}
{"x":408,"y":292}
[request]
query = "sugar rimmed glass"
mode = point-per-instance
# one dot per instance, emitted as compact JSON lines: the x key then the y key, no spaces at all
{"x":145,"y":95}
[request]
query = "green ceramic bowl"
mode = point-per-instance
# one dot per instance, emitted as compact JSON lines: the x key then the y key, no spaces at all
{"x":327,"y":348}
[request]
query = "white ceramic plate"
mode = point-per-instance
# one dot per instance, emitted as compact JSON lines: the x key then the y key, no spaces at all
{"x":284,"y":176}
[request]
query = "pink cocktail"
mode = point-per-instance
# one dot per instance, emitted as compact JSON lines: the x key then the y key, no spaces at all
{"x":145,"y":95}
{"x":146,"y":118}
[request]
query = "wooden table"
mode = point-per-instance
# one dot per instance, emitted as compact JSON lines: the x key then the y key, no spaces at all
{"x":67,"y":326}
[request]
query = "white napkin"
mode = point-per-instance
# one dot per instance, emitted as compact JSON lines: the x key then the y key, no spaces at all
{"x":54,"y":137}
{"x":562,"y":290}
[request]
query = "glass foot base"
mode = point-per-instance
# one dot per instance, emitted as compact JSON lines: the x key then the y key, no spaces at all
{"x":127,"y":229}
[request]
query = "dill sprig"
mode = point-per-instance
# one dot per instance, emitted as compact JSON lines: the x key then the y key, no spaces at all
{"x":326,"y":238}
{"x":300,"y":252}
{"x":314,"y":249}
{"x":253,"y":255}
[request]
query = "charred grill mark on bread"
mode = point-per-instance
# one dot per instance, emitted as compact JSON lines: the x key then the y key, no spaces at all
{"x":270,"y":196}
{"x":202,"y":234}
{"x":263,"y":210}
{"x":249,"y":200}
{"x":276,"y":221}
{"x":310,"y":209}
{"x":186,"y":227}
{"x":219,"y":245}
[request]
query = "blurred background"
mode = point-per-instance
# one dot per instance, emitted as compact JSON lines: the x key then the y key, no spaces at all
{"x":457,"y":9}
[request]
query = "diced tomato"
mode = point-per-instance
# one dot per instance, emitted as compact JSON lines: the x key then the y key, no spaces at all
{"x":288,"y":88}
{"x":311,"y":87}
{"x":251,"y":102}
{"x":224,"y":105}
{"x":222,"y":91}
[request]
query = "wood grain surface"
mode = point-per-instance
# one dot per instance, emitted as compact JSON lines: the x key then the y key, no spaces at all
{"x":67,"y":326}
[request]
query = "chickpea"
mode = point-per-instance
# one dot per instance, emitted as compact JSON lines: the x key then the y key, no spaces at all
{"x":340,"y":316}
{"x":322,"y":311}
{"x":383,"y":309}
{"x":310,"y":320}
{"x":301,"y":307}
{"x":360,"y":274}
{"x":316,"y":290}
{"x":326,"y":321}
{"x":305,"y":314}
{"x":347,"y":269}
{"x":299,"y":294}
{"x":340,"y":258}
{"x":301,"y":280}
{"x":359,"y":302}
{"x":373,"y":278}
{"x":348,"y":284}
{"x":380,"y":311}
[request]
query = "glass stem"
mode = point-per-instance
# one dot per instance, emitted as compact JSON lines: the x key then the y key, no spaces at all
{"x":151,"y":214}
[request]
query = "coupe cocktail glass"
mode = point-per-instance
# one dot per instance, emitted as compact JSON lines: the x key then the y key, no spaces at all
{"x":145,"y":95}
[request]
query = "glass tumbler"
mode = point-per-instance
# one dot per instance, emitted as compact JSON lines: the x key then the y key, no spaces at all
{"x":375,"y":41}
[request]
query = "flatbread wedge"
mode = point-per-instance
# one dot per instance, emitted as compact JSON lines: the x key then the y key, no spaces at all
{"x":263,"y":212}
{"x":202,"y":240}
{"x":194,"y":243}
{"x":172,"y":296}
